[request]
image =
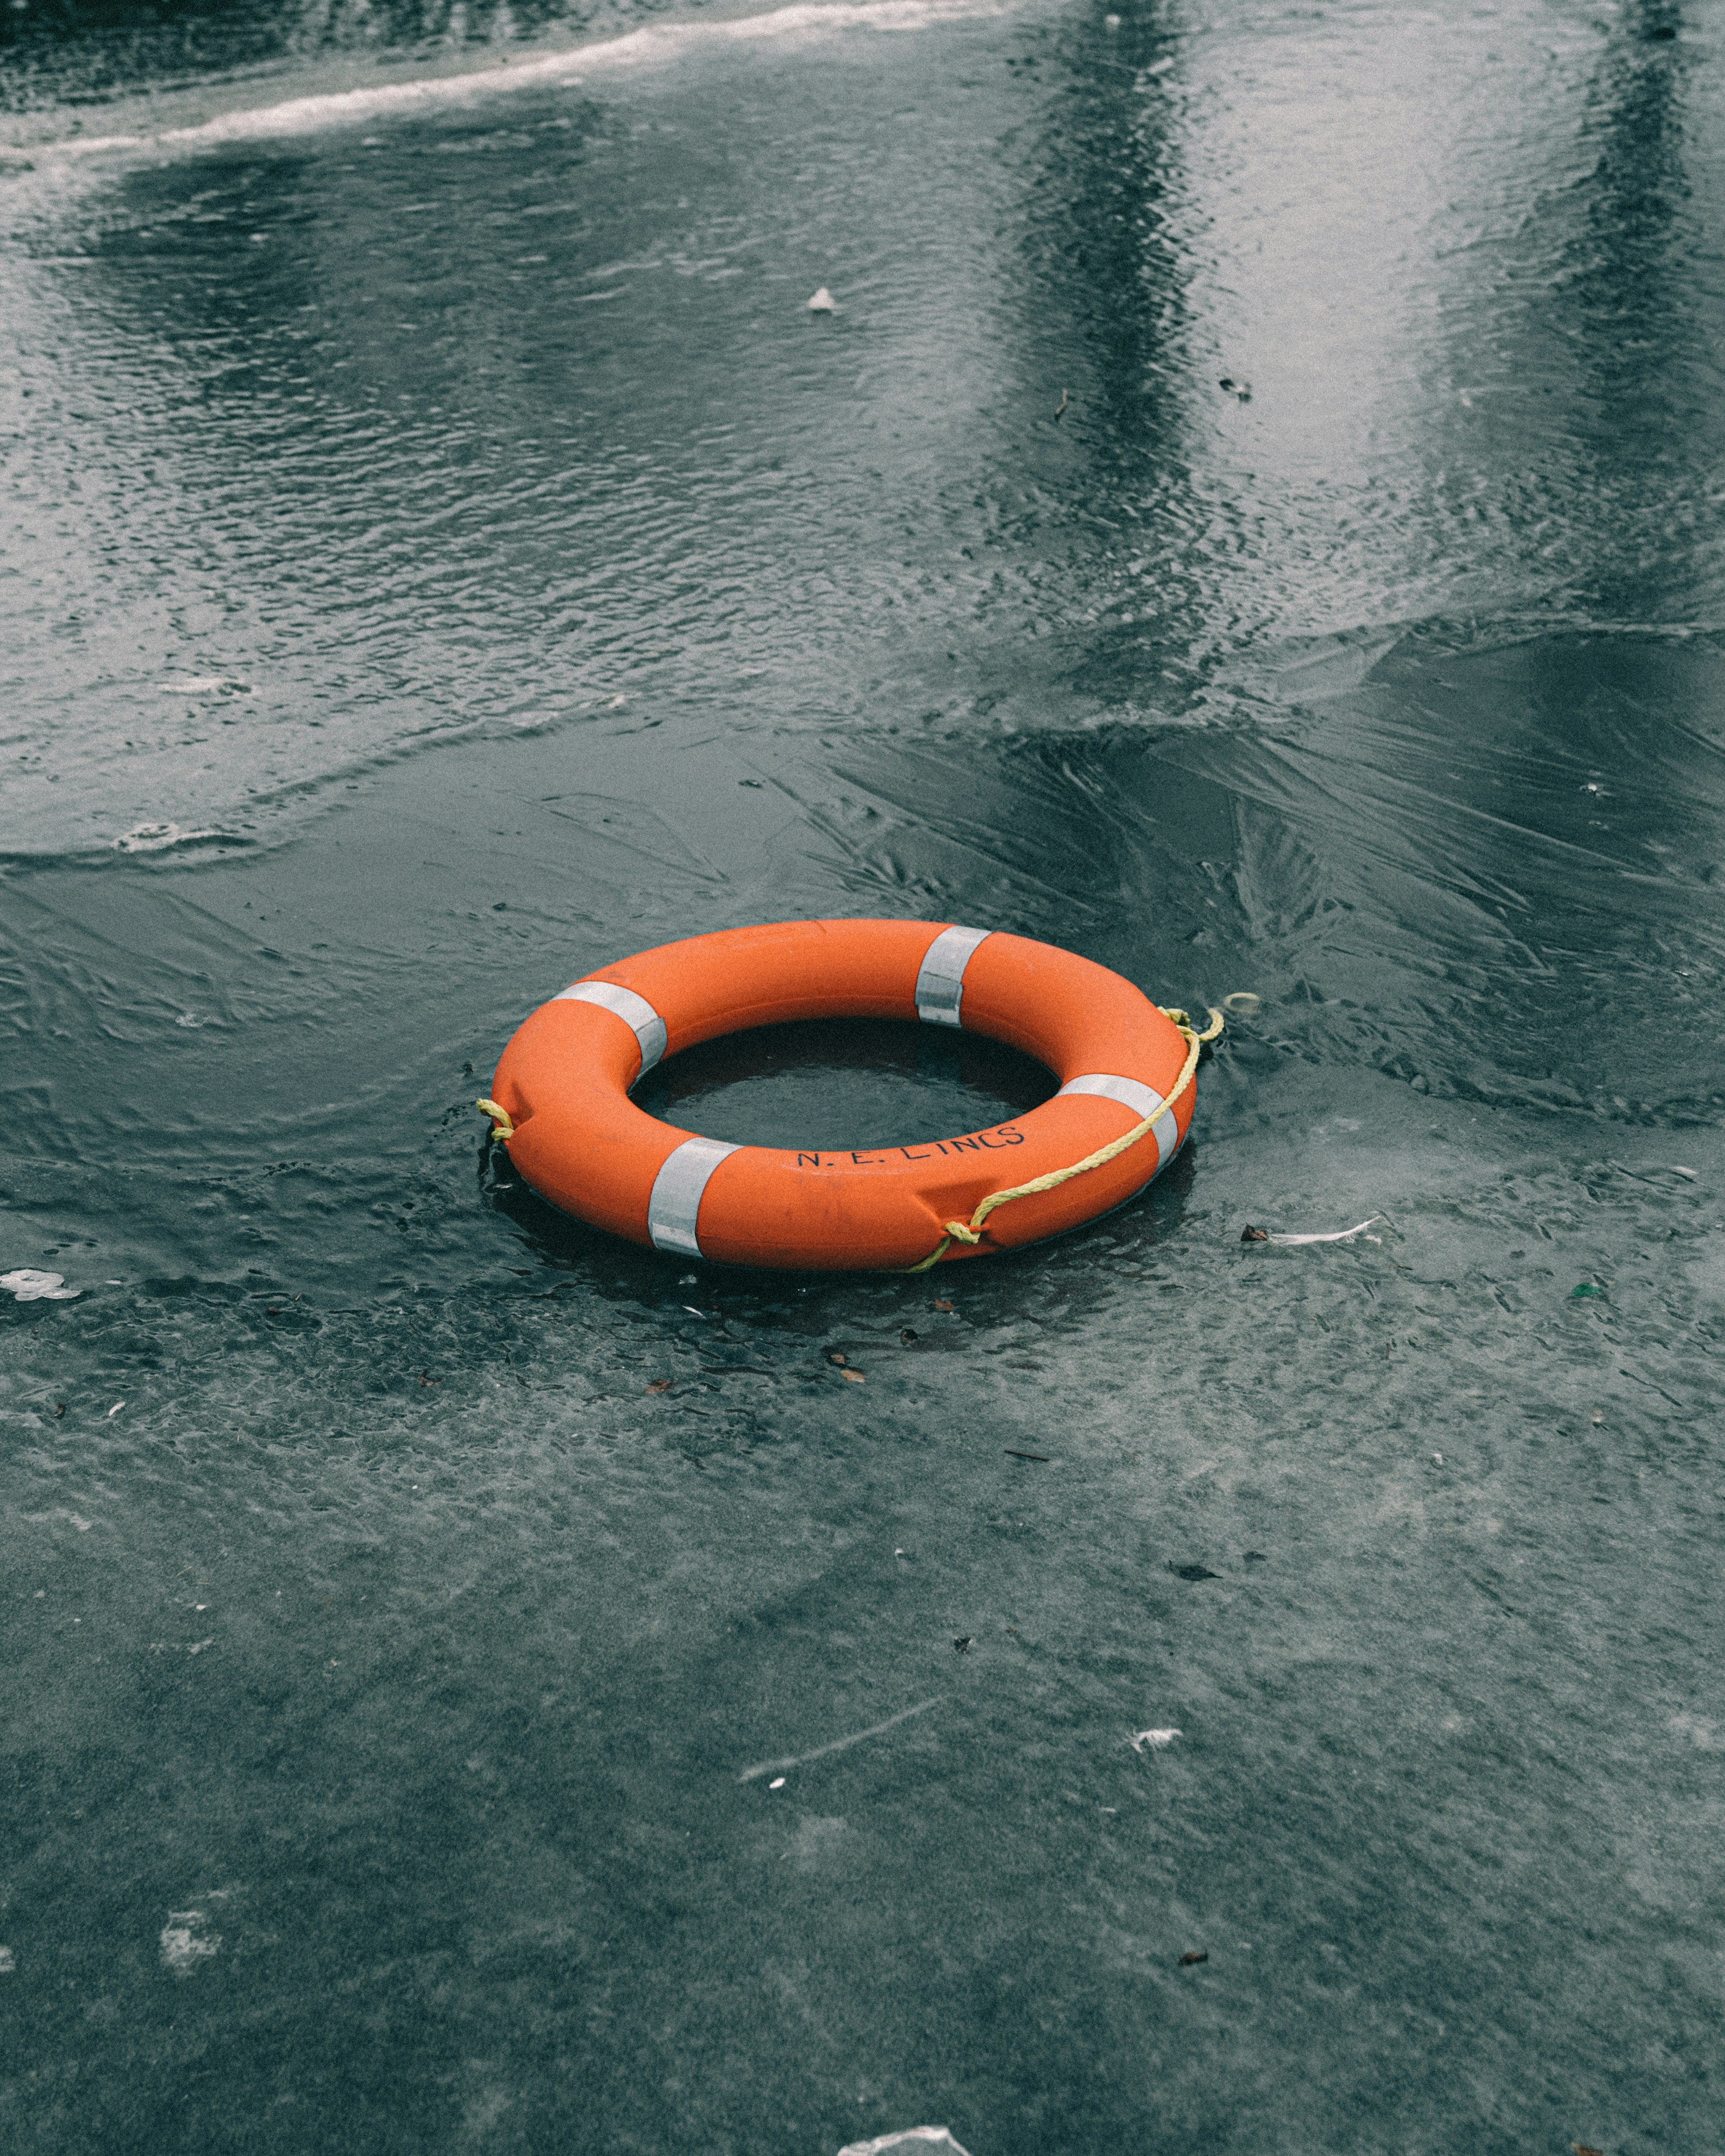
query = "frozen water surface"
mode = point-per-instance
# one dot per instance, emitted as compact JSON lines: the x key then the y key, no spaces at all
{"x":1253,"y":518}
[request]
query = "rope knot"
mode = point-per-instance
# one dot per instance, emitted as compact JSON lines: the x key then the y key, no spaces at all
{"x":961,"y":1231}
{"x":502,"y":1129}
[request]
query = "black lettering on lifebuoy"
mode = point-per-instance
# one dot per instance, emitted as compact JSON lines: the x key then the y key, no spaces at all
{"x":869,"y":1160}
{"x":1005,"y":1136}
{"x":909,"y":1155}
{"x":808,"y":1160}
{"x":967,"y":1145}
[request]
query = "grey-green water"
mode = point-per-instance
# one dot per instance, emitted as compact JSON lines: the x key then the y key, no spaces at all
{"x":439,"y":553}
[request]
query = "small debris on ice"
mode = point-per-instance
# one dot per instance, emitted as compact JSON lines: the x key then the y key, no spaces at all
{"x":28,"y":1285}
{"x":842,"y":1743}
{"x":822,"y":303}
{"x":1159,"y":1740}
{"x":778,"y":1784}
{"x":1334,"y":1235}
{"x":8,"y":1962}
{"x":1243,"y":1003}
{"x":1191,"y":1960}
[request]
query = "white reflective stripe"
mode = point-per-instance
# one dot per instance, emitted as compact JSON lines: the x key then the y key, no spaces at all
{"x":940,"y":984}
{"x":635,"y":1011}
{"x":1142,"y":1100}
{"x":675,"y":1206}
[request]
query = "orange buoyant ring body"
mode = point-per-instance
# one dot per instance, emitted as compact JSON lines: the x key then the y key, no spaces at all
{"x":580,"y":1142}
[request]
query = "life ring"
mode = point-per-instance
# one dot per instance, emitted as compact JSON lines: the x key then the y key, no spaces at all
{"x":561,"y":1100}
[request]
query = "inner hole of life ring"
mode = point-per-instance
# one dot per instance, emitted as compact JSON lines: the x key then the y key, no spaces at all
{"x":829,"y":1084}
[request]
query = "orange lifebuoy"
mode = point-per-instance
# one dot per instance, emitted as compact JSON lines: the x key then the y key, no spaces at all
{"x":580,"y":1142}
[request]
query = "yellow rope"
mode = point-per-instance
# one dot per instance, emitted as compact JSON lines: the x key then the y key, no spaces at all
{"x":502,"y":1129}
{"x":970,"y":1231}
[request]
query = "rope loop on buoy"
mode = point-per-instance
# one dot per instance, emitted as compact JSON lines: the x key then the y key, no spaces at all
{"x":961,"y":1231}
{"x":502,"y":1128}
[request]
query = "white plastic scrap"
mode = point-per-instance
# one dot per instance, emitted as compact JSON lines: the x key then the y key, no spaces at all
{"x":822,"y":303}
{"x":911,"y":2137}
{"x":31,"y":1286}
{"x":1156,"y":1739}
{"x":1335,"y":1235}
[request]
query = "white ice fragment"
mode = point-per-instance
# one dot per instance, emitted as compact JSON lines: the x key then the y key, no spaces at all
{"x":154,"y":838}
{"x":1159,"y":1740}
{"x":185,"y":1942}
{"x":778,"y":1784}
{"x":1335,"y":1235}
{"x":114,"y":1409}
{"x":1692,"y":1175}
{"x":907,"y":2138}
{"x":206,"y":684}
{"x":822,"y":303}
{"x":28,"y":1285}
